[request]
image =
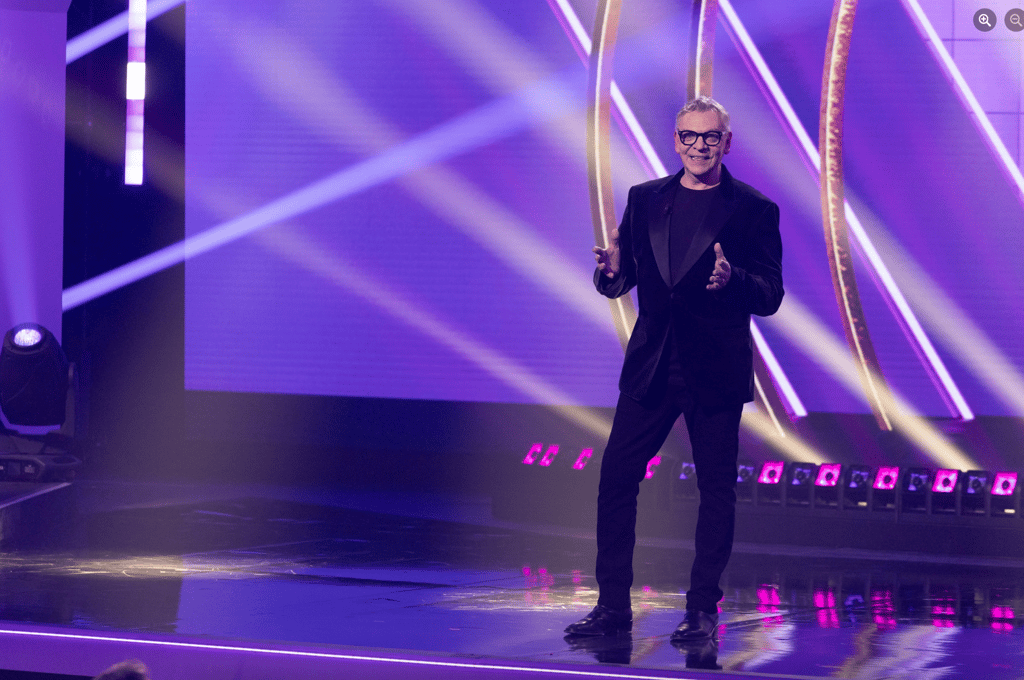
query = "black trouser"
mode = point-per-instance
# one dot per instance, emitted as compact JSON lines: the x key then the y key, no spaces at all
{"x":638,"y":432}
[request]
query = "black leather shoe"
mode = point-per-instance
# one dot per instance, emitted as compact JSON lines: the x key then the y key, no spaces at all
{"x":696,"y":625}
{"x":603,"y":621}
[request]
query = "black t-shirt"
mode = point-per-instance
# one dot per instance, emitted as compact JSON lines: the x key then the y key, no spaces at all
{"x":688,"y":212}
{"x":690,"y":208}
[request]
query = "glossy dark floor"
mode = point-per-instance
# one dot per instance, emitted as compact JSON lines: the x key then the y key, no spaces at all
{"x":437,"y":576}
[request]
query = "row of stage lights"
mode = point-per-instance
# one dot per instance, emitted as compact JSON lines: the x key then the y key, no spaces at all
{"x":861,"y":487}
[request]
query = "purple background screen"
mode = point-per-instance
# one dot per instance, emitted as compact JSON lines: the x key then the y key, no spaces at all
{"x":441,"y":249}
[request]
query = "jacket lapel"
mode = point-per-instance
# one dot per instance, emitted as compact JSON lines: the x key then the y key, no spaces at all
{"x":660,"y":225}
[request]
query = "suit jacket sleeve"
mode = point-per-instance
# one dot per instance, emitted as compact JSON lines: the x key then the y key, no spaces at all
{"x":756,"y":287}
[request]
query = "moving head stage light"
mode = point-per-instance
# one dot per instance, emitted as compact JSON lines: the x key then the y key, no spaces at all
{"x":36,"y":390}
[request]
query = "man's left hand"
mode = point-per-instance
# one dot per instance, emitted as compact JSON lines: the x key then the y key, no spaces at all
{"x":723,"y":270}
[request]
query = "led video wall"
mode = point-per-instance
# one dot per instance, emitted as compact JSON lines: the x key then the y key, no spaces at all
{"x":402,"y":187}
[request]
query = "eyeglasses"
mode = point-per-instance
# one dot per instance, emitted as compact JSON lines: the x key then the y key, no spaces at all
{"x":689,"y":137}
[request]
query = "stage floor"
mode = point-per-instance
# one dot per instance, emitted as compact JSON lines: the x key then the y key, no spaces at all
{"x":268,"y":582}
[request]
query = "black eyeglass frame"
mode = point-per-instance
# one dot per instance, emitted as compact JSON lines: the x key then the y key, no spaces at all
{"x":700,"y":135}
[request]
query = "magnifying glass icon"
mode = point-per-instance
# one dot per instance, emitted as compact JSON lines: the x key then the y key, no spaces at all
{"x":983,"y":19}
{"x":1015,"y":20}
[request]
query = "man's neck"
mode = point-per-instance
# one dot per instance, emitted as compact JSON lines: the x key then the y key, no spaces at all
{"x":708,"y":180}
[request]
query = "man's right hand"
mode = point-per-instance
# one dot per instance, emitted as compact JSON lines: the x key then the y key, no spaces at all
{"x":608,"y":259}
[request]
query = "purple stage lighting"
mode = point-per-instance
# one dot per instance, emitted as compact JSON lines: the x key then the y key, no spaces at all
{"x":886,"y":478}
{"x":914,"y":490}
{"x":975,"y":496}
{"x":799,"y":477}
{"x":686,"y":487}
{"x":745,"y":474}
{"x":771,"y":472}
{"x":945,"y":481}
{"x":828,"y":474}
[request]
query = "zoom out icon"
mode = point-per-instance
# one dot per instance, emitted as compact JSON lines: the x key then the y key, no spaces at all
{"x":1014,"y":20}
{"x":984,"y":20}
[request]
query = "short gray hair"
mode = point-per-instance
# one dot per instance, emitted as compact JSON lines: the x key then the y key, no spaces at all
{"x":704,"y":103}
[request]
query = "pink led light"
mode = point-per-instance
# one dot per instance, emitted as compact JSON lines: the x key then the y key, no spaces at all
{"x":584,"y":458}
{"x":771,"y":472}
{"x":886,"y":478}
{"x":135,"y":92}
{"x":945,"y":481}
{"x":828,"y":474}
{"x":531,"y":455}
{"x":1004,"y":484}
{"x":549,"y":456}
{"x":823,"y":599}
{"x":651,"y":464}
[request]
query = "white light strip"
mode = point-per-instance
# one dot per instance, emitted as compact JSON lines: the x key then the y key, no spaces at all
{"x":639,"y":137}
{"x":462,"y":665}
{"x":135,"y":93}
{"x":964,"y":91}
{"x":949,"y":389}
{"x":111,"y":30}
{"x":774,"y":368}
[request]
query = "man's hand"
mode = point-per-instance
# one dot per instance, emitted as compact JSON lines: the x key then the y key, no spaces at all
{"x":723,"y":270}
{"x":608,"y":259}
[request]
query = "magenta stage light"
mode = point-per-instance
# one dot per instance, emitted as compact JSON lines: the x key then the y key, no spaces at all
{"x":1005,"y":484}
{"x":651,"y":464}
{"x":532,"y":454}
{"x":583,"y":459}
{"x":828,"y":474}
{"x":771,"y":472}
{"x":945,"y":481}
{"x":886,"y":478}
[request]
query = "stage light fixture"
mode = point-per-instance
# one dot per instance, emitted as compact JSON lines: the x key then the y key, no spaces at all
{"x":771,"y":472}
{"x":686,"y":486}
{"x":1005,"y":495}
{"x":799,"y":478}
{"x":826,"y":485}
{"x":745,"y":473}
{"x":944,"y":497}
{"x":769,"y":490}
{"x":883,"y":495}
{"x":33,"y":377}
{"x":856,"y":482}
{"x":914,"y":490}
{"x":974,"y":497}
{"x":886,"y":478}
{"x":828,"y":474}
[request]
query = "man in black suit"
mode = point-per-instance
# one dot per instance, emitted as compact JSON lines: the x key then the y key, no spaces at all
{"x":690,"y":353}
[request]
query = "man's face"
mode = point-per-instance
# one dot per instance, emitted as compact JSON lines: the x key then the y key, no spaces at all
{"x":700,"y":159}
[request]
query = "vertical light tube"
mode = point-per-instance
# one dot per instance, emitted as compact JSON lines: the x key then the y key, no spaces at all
{"x":135,"y":92}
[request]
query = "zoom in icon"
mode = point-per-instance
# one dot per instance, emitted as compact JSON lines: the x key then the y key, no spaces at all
{"x":985,"y":20}
{"x":1014,"y":20}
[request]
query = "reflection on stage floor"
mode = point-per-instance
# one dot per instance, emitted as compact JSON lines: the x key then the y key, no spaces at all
{"x":436,"y":576}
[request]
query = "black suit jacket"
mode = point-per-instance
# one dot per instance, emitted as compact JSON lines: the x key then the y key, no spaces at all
{"x":711,"y":329}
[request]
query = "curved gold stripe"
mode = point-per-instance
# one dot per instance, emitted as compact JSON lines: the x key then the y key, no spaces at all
{"x":840,"y":257}
{"x":702,"y":48}
{"x":599,"y":169}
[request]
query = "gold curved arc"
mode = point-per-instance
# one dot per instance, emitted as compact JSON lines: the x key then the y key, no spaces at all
{"x":840,"y":256}
{"x":702,"y":48}
{"x":599,"y":170}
